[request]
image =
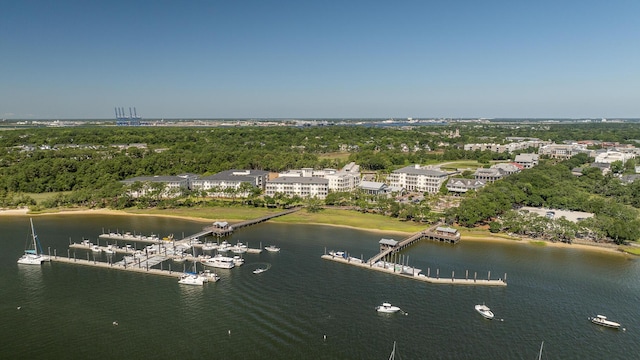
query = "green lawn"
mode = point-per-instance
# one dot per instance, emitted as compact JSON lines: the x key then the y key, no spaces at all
{"x":325,"y":216}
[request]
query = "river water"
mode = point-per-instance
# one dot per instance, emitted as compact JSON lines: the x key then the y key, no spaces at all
{"x":308,"y":308}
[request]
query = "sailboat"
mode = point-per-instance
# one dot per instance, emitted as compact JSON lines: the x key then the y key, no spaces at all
{"x":33,"y":256}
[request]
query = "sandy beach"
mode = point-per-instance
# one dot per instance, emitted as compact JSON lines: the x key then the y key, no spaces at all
{"x":604,"y":248}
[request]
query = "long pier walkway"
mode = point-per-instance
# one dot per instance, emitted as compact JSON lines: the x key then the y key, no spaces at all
{"x":224,"y":231}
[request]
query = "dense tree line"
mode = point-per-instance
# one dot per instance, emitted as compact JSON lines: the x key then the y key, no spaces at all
{"x":86,"y":164}
{"x":554,"y":186}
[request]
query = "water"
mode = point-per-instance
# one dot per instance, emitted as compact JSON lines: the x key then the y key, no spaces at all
{"x":67,"y":311}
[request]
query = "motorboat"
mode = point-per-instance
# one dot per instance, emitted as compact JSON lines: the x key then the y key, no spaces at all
{"x":224,"y":246}
{"x":272,"y":248}
{"x":239,"y":248}
{"x":191,"y":279}
{"x":219,"y":261}
{"x":259,"y":270}
{"x":340,"y":254}
{"x":237,"y":260}
{"x":603,"y":321}
{"x":110,"y":250}
{"x":33,"y":256}
{"x":96,"y":249}
{"x":387,"y":308}
{"x":209,"y":246}
{"x":484,"y":311}
{"x":209,"y":276}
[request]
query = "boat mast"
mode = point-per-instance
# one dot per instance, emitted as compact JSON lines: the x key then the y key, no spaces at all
{"x":33,"y":236}
{"x":540,"y":354}
{"x":393,"y":352}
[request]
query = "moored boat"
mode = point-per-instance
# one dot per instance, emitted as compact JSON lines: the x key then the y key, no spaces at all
{"x":33,"y":256}
{"x":603,"y":321}
{"x":219,"y":261}
{"x":209,"y":276}
{"x":191,"y":279}
{"x":484,"y":311}
{"x":209,"y":246}
{"x":239,"y":248}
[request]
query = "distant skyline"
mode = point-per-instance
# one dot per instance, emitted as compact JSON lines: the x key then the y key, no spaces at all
{"x":326,"y":59}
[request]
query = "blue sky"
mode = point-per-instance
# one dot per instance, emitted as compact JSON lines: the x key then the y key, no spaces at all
{"x":314,"y":59}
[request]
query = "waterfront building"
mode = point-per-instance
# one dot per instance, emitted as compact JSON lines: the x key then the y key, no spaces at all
{"x":301,"y":186}
{"x":160,"y":186}
{"x":221,"y":182}
{"x":416,"y":178}
{"x":346,"y":179}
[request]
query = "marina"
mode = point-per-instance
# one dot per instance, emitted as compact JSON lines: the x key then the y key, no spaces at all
{"x":74,"y":305}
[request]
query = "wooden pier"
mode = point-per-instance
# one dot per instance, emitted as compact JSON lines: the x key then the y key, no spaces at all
{"x":435,"y":233}
{"x":400,"y":270}
{"x":228,"y":230}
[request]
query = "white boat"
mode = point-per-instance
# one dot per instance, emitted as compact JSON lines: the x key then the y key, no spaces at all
{"x":209,"y":246}
{"x":387,"y":308}
{"x":259,"y":270}
{"x":484,"y":311}
{"x":603,"y":321}
{"x":239,"y":248}
{"x":219,"y":261}
{"x":33,"y":256}
{"x":111,"y":249}
{"x":191,"y":279}
{"x":224,"y":246}
{"x":237,"y":260}
{"x":96,"y":249}
{"x":208,"y":276}
{"x":272,"y":248}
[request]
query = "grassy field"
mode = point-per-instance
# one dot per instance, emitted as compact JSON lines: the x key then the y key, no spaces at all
{"x":353,"y":219}
{"x":326,"y":216}
{"x":336,"y":155}
{"x":44,"y":196}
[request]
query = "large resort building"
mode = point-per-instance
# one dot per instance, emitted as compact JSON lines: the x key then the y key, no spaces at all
{"x":220,"y":183}
{"x":415,"y":178}
{"x":301,"y":186}
{"x":165,"y":186}
{"x":346,"y":179}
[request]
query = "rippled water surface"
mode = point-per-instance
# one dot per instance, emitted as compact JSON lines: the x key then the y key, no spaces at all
{"x":67,"y":311}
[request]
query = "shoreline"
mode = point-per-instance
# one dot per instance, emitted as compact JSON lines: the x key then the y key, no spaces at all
{"x":485,"y":238}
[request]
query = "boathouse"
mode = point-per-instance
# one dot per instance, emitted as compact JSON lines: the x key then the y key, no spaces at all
{"x":387,"y":244}
{"x":448,"y":232}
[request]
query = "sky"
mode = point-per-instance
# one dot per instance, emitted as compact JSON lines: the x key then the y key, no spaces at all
{"x":320,"y":59}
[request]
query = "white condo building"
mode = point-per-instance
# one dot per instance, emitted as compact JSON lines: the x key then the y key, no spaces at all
{"x":346,"y":179}
{"x":302,"y":186}
{"x":415,"y":178}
